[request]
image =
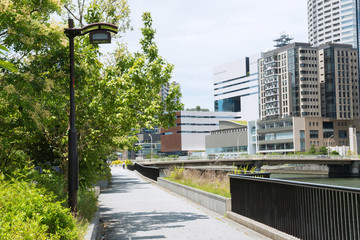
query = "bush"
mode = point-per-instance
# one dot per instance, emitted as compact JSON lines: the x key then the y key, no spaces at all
{"x":28,"y":212}
{"x":87,"y":204}
{"x":208,"y":181}
{"x":176,"y":173}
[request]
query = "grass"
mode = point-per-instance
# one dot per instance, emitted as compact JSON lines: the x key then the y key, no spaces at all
{"x":209,"y":181}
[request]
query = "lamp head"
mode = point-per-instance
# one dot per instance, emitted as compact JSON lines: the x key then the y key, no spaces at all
{"x":100,"y":36}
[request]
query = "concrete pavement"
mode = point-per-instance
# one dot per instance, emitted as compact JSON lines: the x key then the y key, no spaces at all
{"x":134,"y":208}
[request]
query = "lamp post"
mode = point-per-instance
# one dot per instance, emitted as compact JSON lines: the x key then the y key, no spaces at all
{"x":99,"y":33}
{"x":151,"y":152}
{"x":237,"y":142}
{"x":329,"y":144}
{"x":355,"y":144}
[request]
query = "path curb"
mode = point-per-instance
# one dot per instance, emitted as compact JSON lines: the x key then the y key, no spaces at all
{"x":93,"y":230}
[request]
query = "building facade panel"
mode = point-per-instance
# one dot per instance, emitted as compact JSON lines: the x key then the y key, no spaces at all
{"x":236,"y":87}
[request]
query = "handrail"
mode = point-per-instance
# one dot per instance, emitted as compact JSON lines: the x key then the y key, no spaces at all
{"x":252,"y":157}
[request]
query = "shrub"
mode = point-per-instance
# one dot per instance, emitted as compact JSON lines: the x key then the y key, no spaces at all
{"x":217,"y":183}
{"x":28,"y":212}
{"x":87,"y":204}
{"x":127,"y":162}
{"x":177,"y":173}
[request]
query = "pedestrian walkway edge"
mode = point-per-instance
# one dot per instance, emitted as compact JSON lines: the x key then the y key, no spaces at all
{"x":222,"y":206}
{"x":260,"y":227}
{"x":216,"y":203}
{"x":93,"y":230}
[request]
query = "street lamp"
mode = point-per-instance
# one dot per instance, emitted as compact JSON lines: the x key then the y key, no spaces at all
{"x":355,"y":144}
{"x":329,"y":144}
{"x":99,"y":33}
{"x":151,"y":152}
{"x":237,"y":142}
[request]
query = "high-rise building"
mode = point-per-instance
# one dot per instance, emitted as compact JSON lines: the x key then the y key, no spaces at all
{"x":236,"y":88}
{"x":332,"y":21}
{"x":300,"y":80}
{"x":308,"y":96}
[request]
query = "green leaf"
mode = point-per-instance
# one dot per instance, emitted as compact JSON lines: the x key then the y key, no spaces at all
{"x":8,"y":66}
{"x":3,"y":49}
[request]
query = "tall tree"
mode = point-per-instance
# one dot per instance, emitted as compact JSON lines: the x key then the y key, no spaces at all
{"x":112,"y":99}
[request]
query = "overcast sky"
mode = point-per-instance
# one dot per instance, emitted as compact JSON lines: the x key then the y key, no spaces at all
{"x":197,"y":35}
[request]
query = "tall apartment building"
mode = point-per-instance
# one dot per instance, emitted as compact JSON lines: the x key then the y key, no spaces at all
{"x":308,"y":96}
{"x":300,"y":80}
{"x":236,"y":87}
{"x":332,"y":21}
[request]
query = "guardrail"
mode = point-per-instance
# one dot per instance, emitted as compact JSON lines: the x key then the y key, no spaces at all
{"x":253,"y":157}
{"x":149,"y":172}
{"x":304,"y":210}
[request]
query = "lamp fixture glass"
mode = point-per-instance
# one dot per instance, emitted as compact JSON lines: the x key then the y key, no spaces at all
{"x":100,"y":36}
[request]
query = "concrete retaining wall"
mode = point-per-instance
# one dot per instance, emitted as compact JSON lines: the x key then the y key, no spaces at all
{"x":211,"y":201}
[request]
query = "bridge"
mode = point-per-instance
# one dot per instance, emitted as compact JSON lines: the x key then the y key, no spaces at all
{"x":338,"y":166}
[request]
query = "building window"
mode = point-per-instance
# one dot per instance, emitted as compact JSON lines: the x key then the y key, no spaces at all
{"x":302,"y":134}
{"x":342,"y":134}
{"x":314,"y":134}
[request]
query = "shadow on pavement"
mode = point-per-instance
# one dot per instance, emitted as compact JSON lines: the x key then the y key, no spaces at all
{"x":124,"y":184}
{"x":125,"y":225}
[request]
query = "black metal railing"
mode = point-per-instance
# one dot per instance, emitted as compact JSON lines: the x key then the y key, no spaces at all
{"x":304,"y":210}
{"x":130,"y":167}
{"x":149,"y":172}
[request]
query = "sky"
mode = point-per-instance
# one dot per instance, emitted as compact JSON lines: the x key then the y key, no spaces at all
{"x":198,"y":35}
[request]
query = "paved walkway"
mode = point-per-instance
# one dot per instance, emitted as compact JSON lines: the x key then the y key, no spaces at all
{"x":133,"y":208}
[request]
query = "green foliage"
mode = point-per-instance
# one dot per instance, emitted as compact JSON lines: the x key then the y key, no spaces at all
{"x":197,"y":108}
{"x":323,"y":150}
{"x":207,"y":181}
{"x":349,"y":153}
{"x":5,"y":64}
{"x":149,"y":156}
{"x":112,"y":99}
{"x":53,"y":183}
{"x":28,"y":212}
{"x":334,"y":153}
{"x":176,"y":173}
{"x":87,"y":204}
{"x":312,"y":150}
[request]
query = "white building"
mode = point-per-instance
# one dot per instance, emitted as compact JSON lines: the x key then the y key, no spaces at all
{"x":236,"y":88}
{"x":188,"y":135}
{"x":332,"y":21}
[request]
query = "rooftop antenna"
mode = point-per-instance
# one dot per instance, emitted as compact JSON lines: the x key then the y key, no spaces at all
{"x":283,"y":40}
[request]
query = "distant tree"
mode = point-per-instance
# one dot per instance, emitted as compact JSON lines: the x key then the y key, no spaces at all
{"x":312,"y":150}
{"x":198,"y":108}
{"x":148,"y":156}
{"x":335,"y":153}
{"x":323,"y":150}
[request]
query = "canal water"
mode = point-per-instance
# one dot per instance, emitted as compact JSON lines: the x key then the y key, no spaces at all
{"x":320,"y":179}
